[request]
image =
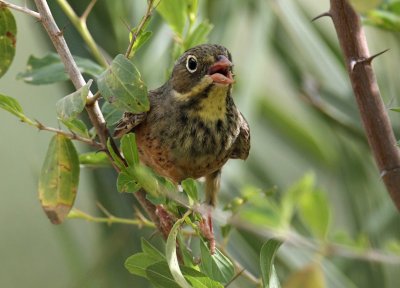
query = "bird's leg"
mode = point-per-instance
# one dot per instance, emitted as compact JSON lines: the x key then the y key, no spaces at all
{"x":206,"y":225}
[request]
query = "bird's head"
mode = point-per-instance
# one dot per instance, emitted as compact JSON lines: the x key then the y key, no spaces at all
{"x":201,"y":67}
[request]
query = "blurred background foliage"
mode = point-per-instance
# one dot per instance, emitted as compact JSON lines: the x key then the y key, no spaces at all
{"x":293,"y":89}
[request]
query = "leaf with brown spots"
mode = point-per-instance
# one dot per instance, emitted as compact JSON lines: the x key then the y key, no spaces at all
{"x":59,"y":179}
{"x":8,"y":34}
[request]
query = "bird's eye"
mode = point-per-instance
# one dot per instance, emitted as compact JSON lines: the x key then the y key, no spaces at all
{"x":191,"y":64}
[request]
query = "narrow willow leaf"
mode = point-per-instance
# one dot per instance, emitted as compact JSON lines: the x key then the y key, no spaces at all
{"x":117,"y":160}
{"x":94,"y":159}
{"x":314,"y":211}
{"x":126,"y":182}
{"x":172,"y":258}
{"x":59,"y":179}
{"x":199,"y":35}
{"x":12,"y":105}
{"x":190,"y":188}
{"x":174,"y":13}
{"x":8,"y":39}
{"x":77,"y":126}
{"x":140,"y":40}
{"x":73,"y":104}
{"x":50,"y":69}
{"x":267,"y":256}
{"x":129,"y":149}
{"x":122,"y":86}
{"x":218,"y":267}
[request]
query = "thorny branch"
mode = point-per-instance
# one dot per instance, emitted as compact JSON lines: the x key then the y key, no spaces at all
{"x":365,"y":87}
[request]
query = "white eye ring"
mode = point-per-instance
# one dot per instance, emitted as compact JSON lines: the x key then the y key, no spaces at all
{"x":191,"y":63}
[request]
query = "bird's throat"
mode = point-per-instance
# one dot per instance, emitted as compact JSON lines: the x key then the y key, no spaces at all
{"x":212,"y":107}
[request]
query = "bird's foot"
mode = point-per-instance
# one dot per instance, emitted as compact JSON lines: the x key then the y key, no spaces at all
{"x":206,"y":229}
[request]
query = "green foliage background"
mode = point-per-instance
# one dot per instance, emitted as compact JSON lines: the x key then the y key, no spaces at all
{"x":280,"y":58}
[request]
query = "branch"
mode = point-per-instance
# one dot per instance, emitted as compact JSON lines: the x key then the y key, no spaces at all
{"x":21,"y":9}
{"x":71,"y":136}
{"x":80,"y":25}
{"x":142,"y":23}
{"x":95,"y":115}
{"x":110,"y":219}
{"x":365,"y":87}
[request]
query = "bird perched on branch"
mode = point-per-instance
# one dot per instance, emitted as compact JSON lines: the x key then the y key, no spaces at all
{"x":193,"y":126}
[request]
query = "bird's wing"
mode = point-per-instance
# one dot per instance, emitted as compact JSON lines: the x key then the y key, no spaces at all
{"x":241,"y":147}
{"x":128,"y":122}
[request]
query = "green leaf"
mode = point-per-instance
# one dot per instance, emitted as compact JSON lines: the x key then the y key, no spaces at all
{"x":172,"y":259}
{"x":147,"y":179}
{"x":50,"y":69}
{"x":151,"y":250}
{"x":199,"y":35}
{"x":160,"y":276}
{"x":190,"y":188}
{"x":122,"y":86}
{"x":129,"y":149}
{"x":291,"y":197}
{"x":12,"y":105}
{"x":267,"y":256}
{"x":59,"y":179}
{"x":96,"y":159}
{"x":140,"y":40}
{"x":174,"y":13}
{"x":126,"y":182}
{"x":138,"y":263}
{"x":218,"y":267}
{"x":111,"y":114}
{"x":117,"y":160}
{"x":198,"y":279}
{"x":76,"y":126}
{"x":73,"y":104}
{"x":315,"y":213}
{"x":8,"y":34}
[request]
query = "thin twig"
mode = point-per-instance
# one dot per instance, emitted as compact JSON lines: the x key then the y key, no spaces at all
{"x":87,"y":11}
{"x":142,"y":23}
{"x":21,"y":9}
{"x":71,"y":136}
{"x":93,"y":99}
{"x":110,"y":219}
{"x":242,"y":271}
{"x":81,"y":26}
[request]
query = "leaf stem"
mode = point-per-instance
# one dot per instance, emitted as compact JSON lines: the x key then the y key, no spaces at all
{"x":80,"y":25}
{"x":21,"y":9}
{"x":71,"y":136}
{"x":110,"y":219}
{"x":139,"y":29}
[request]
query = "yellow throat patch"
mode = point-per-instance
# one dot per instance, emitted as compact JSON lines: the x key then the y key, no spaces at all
{"x":211,"y":108}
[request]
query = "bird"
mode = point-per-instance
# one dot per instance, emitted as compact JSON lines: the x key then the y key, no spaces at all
{"x":193,"y":126}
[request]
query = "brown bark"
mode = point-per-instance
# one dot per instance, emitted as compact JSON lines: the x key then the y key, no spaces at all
{"x":372,"y":109}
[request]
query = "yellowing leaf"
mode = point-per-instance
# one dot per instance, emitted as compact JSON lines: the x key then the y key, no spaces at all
{"x":8,"y":34}
{"x":59,"y":179}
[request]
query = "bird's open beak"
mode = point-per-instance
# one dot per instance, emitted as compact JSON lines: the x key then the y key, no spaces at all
{"x":220,"y":71}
